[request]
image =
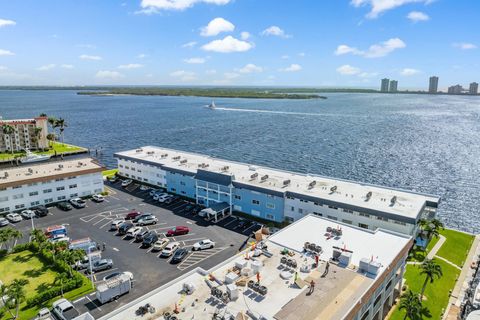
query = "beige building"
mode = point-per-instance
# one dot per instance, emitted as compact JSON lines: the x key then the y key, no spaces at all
{"x":25,"y":135}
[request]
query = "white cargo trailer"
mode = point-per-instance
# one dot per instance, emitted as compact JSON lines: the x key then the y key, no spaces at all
{"x":113,"y":288}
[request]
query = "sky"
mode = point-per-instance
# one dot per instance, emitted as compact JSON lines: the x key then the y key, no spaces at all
{"x":327,"y":43}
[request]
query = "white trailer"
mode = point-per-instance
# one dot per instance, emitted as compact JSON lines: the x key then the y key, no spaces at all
{"x":113,"y":288}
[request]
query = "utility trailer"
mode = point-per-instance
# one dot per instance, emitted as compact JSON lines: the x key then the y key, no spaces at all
{"x":113,"y":288}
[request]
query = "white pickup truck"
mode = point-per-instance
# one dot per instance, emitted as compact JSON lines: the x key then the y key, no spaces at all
{"x":64,"y":310}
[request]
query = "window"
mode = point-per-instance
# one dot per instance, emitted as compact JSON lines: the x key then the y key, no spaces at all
{"x":16,"y":187}
{"x":72,"y":186}
{"x":47,"y":190}
{"x":145,"y":179}
{"x":382,"y":218}
{"x":127,"y":167}
{"x":270,"y":205}
{"x":183,"y":192}
{"x":34,"y":203}
{"x":61,"y":198}
{"x":377,"y":300}
{"x":48,"y":200}
{"x":365,"y":315}
{"x":70,"y":178}
{"x":74,"y":195}
{"x":364,"y":226}
{"x":300,"y":210}
{"x":60,"y":179}
{"x":348,"y":210}
{"x":255,"y":202}
{"x":34,"y":193}
{"x":173,"y":189}
{"x":60,"y":188}
{"x":120,"y":165}
{"x":182,"y":183}
{"x":317,"y":203}
{"x":292,"y":208}
{"x":333,"y":207}
{"x":289,"y":219}
{"x":347,"y":221}
{"x":238,"y":197}
{"x":400,"y":222}
{"x":32,"y":184}
{"x":366,"y":215}
{"x":332,"y":218}
{"x":270,"y":216}
{"x":20,"y":206}
{"x":318,"y":214}
{"x":5,"y":209}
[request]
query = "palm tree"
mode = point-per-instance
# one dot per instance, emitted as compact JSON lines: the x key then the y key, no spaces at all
{"x":8,"y":130}
{"x":410,"y":302}
{"x":6,"y":299}
{"x":61,"y":124}
{"x":52,"y":121}
{"x":61,"y":278}
{"x":42,"y":114}
{"x":7,"y":235}
{"x":38,"y":236}
{"x":431,"y":269}
{"x":16,"y":292}
{"x":71,"y":257}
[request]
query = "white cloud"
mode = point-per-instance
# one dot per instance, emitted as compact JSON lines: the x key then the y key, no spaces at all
{"x":465,"y":45}
{"x":183,"y":75}
{"x":250,"y":68}
{"x":5,"y":22}
{"x":46,"y":67}
{"x":285,"y":56}
{"x":374,"y":51}
{"x":347,"y":69}
{"x":89,"y":57}
{"x":130,"y":66}
{"x":105,"y":74}
{"x":301,"y":54}
{"x":67,"y":66}
{"x":275,"y":31}
{"x":227,"y":44}
{"x":380,"y":6}
{"x":245,"y":35}
{"x":211,"y":71}
{"x":3,"y":68}
{"x":190,"y":44}
{"x":368,"y":74}
{"x":155,"y":6}
{"x":417,"y":16}
{"x":4,"y":52}
{"x":194,"y":60}
{"x":141,"y":56}
{"x":409,"y":72}
{"x":231,"y":75}
{"x":292,"y":68}
{"x":86,"y":46}
{"x":216,"y":26}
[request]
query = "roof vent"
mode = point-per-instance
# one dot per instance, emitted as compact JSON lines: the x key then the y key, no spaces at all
{"x":138,"y":150}
{"x":183,"y":161}
{"x":176,"y":158}
{"x":312,"y":184}
{"x":225,"y":168}
{"x":368,"y":196}
{"x":164,"y":155}
{"x":286,"y":182}
{"x":263,"y":178}
{"x":254,"y":176}
{"x":333,"y":189}
{"x":150,"y":152}
{"x":393,"y":200}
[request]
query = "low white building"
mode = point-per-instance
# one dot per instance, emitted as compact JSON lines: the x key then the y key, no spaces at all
{"x":31,"y":185}
{"x":358,"y":273}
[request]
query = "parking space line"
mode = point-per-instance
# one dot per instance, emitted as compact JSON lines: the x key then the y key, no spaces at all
{"x":192,"y":259}
{"x":230,"y":222}
{"x":94,"y":303}
{"x":106,"y":224}
{"x":183,"y":235}
{"x":101,"y":220}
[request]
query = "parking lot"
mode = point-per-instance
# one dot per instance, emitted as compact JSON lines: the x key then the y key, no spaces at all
{"x":149,"y":269}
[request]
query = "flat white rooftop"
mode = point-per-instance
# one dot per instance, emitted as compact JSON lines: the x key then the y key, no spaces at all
{"x":335,"y":294}
{"x":406,"y":204}
{"x":43,"y":171}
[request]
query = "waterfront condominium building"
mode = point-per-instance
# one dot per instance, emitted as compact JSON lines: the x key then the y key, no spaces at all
{"x":27,"y":134}
{"x":473,"y":88}
{"x":45,"y":183}
{"x":393,"y":86}
{"x":276,"y":195}
{"x":384,"y":85}
{"x":456,"y":89}
{"x":433,"y":85}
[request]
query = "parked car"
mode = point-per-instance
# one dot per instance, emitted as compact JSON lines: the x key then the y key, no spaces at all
{"x":124,"y":227}
{"x":170,"y":249}
{"x":132,"y":214}
{"x":85,"y":262}
{"x":141,"y":216}
{"x":179,"y":255}
{"x":28,"y":214}
{"x":170,"y":199}
{"x":144,"y":188}
{"x":98,"y":198}
{"x":59,"y":238}
{"x":116,"y":274}
{"x":14,"y":217}
{"x":149,"y":239}
{"x":188,"y":208}
{"x":139,"y":237}
{"x":78,"y":203}
{"x":154,"y":191}
{"x":204,"y":244}
{"x":113,"y":179}
{"x":159,"y":245}
{"x":159,"y":194}
{"x":196,"y":209}
{"x":177,"y":231}
{"x":132,"y":232}
{"x":41,"y":211}
{"x":126,"y":183}
{"x":116,"y":224}
{"x":65,"y":206}
{"x":164,"y":198}
{"x":44,"y":314}
{"x":100,"y":265}
{"x":3,"y":222}
{"x":242,"y":223}
{"x":64,"y":310}
{"x":148,"y":220}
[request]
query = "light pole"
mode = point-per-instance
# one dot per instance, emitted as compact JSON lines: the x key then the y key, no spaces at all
{"x":90,"y":265}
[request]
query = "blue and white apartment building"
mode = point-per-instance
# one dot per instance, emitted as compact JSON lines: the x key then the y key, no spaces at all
{"x":276,"y":195}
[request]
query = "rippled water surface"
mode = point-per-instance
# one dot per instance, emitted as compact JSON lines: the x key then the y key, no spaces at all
{"x":419,"y":142}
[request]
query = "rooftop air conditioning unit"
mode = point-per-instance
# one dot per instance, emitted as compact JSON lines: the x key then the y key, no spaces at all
{"x":286,"y":182}
{"x":263,"y":178}
{"x":333,"y":189}
{"x":164,"y":155}
{"x":225,"y":168}
{"x":254,"y":176}
{"x":369,"y":195}
{"x":150,"y":152}
{"x":138,"y":150}
{"x":60,"y":166}
{"x":176,"y":158}
{"x":312,"y":184}
{"x":183,"y":161}
{"x":393,"y":200}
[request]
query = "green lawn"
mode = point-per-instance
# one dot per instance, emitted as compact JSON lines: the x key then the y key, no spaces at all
{"x":108,"y":173}
{"x":456,"y":247}
{"x":54,"y":147}
{"x":24,"y":265}
{"x":437,"y":294}
{"x":417,"y":254}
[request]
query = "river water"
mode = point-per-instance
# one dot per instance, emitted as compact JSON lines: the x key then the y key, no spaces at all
{"x":417,"y":142}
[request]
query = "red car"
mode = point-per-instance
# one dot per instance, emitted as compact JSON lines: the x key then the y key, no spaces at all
{"x":177,"y":231}
{"x":132,"y":215}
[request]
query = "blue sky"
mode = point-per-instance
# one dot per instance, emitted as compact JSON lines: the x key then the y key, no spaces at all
{"x":239,"y":42}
